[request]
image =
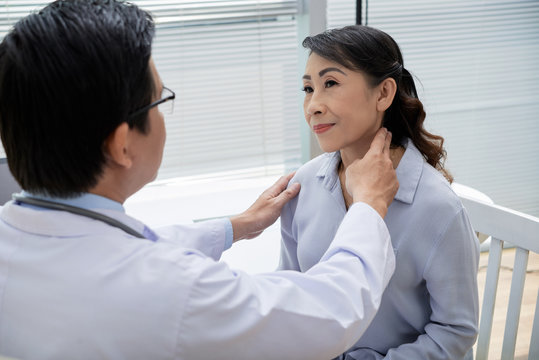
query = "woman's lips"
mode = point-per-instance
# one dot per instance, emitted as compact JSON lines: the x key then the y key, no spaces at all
{"x":321,"y":128}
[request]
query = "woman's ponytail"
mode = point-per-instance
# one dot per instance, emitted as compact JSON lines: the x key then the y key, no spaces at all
{"x":409,"y":120}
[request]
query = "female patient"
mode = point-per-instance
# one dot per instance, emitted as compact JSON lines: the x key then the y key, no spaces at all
{"x":354,"y":83}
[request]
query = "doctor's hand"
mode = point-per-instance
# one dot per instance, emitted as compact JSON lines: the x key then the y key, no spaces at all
{"x":265,"y":210}
{"x":372,"y":179}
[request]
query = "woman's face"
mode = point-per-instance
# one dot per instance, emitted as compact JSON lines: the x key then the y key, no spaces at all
{"x":340,"y":107}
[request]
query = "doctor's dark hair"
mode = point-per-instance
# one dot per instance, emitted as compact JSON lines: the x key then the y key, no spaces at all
{"x":376,"y":55}
{"x":70,"y":74}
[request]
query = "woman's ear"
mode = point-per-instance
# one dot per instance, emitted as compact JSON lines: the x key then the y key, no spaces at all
{"x":116,"y":146}
{"x":386,"y":94}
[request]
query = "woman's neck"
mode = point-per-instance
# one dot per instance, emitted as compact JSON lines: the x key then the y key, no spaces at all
{"x":349,"y":155}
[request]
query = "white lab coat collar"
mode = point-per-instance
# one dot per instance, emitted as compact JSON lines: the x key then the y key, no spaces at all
{"x":63,"y":224}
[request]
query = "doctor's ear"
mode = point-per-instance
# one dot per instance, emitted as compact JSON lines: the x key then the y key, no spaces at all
{"x":386,"y":94}
{"x":116,"y":146}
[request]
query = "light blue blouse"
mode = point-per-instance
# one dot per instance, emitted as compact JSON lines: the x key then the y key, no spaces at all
{"x":430,"y":307}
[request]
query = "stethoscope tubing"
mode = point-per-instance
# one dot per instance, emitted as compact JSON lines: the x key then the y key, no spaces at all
{"x":46,"y":204}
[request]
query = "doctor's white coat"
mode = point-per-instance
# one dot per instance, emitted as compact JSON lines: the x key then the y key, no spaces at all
{"x":76,"y":288}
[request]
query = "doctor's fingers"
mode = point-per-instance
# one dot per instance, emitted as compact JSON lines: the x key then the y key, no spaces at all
{"x":379,"y":144}
{"x":279,"y":186}
{"x":269,"y":204}
{"x":388,"y":142}
{"x":287,"y":195}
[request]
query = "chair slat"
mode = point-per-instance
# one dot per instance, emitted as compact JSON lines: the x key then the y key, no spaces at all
{"x":521,"y":230}
{"x":515,"y":303}
{"x":504,"y":223}
{"x":489,"y":298}
{"x":534,"y":341}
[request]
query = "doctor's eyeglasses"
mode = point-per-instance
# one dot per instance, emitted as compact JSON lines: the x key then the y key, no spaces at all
{"x":166,"y":103}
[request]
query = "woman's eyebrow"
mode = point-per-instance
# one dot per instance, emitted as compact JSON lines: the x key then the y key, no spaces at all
{"x":326,"y":70}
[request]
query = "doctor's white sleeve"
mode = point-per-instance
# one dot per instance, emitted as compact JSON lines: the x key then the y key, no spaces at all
{"x":287,"y":314}
{"x":208,"y":237}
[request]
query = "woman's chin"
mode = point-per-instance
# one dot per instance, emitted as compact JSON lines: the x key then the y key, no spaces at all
{"x":327,"y":147}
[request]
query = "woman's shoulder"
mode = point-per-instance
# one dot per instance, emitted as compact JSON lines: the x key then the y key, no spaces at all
{"x":321,"y":165}
{"x":434,"y":189}
{"x":422,"y":186}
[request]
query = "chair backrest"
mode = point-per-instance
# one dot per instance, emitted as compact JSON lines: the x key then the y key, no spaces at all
{"x":522,"y":230}
{"x":8,"y":185}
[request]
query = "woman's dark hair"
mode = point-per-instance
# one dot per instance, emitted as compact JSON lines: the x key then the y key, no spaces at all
{"x":375,"y":54}
{"x":70,"y":74}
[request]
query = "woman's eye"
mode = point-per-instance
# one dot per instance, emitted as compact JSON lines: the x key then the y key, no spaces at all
{"x":330,"y":83}
{"x":307,"y":89}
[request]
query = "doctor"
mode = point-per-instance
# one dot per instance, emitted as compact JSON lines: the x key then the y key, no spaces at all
{"x":83,"y":129}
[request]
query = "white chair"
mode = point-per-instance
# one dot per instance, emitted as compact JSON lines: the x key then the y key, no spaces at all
{"x":460,"y":189}
{"x":522,"y":230}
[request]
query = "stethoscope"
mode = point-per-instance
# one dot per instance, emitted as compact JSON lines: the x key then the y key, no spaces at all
{"x":46,"y":204}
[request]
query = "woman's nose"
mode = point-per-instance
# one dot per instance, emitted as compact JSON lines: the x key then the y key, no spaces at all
{"x":315,"y":105}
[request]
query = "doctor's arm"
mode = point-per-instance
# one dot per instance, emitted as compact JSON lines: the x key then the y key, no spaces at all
{"x":288,"y":314}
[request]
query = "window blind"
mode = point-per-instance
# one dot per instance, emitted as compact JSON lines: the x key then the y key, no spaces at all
{"x":340,"y":13}
{"x":477,"y":75}
{"x":233,"y":66}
